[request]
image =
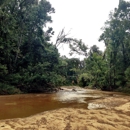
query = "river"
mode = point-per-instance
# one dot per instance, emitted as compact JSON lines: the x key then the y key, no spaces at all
{"x":19,"y":106}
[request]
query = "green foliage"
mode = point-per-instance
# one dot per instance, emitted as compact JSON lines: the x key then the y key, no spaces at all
{"x":3,"y":71}
{"x":116,"y":38}
{"x":85,"y":79}
{"x":27,"y":60}
{"x":77,"y":46}
{"x":30,"y":63}
{"x":127,"y":76}
{"x":96,"y":66}
{"x":127,"y":73}
{"x":8,"y":89}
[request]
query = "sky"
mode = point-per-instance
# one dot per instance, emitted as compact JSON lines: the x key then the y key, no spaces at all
{"x":83,"y":18}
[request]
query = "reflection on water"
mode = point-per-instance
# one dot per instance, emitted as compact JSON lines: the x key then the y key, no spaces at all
{"x":14,"y":106}
{"x":78,"y":96}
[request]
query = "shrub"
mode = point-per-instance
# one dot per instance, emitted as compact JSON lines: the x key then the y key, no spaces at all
{"x":8,"y":89}
{"x":84,"y":79}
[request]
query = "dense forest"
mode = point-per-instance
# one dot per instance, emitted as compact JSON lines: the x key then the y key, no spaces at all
{"x":30,"y":62}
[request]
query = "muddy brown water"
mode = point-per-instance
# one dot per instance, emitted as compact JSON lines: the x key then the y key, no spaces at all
{"x":18,"y":106}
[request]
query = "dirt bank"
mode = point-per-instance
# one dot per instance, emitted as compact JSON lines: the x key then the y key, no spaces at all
{"x":116,"y":117}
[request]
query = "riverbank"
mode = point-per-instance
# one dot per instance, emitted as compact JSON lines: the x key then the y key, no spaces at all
{"x":110,"y":117}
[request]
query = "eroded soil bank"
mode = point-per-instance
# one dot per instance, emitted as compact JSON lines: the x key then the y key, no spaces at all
{"x":114,"y":114}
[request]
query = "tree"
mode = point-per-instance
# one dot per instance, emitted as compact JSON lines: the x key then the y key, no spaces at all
{"x":96,"y":68}
{"x":76,"y":46}
{"x":116,"y":39}
{"x":27,"y":58}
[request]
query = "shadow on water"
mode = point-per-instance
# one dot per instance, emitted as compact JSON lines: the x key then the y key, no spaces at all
{"x":18,"y":106}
